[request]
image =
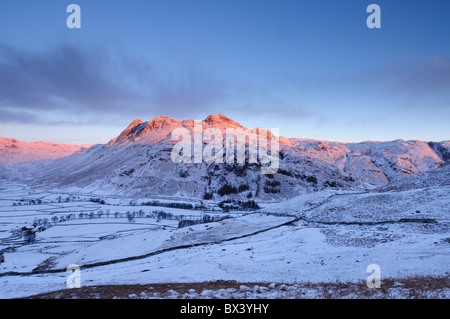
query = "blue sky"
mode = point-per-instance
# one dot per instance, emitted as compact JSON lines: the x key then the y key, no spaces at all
{"x":310,"y":68}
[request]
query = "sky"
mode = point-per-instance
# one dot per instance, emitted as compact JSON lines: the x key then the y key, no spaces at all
{"x":312,"y":68}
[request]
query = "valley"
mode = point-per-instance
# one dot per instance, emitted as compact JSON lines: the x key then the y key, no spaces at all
{"x":310,"y":238}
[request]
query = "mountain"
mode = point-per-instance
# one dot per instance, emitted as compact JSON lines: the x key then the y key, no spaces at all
{"x":13,"y":151}
{"x":374,"y":162}
{"x":138,"y":162}
{"x":160,"y":128}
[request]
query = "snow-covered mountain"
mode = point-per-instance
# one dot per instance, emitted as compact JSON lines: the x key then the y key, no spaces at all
{"x":13,"y":151}
{"x":375,"y":162}
{"x":138,"y":163}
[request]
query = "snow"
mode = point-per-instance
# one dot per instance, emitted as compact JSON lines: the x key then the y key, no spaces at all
{"x":324,"y":243}
{"x":341,"y":207}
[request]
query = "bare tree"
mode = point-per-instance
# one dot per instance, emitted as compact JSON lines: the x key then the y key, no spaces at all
{"x":130,"y":217}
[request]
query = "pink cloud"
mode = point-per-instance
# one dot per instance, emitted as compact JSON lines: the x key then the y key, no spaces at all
{"x":440,"y":62}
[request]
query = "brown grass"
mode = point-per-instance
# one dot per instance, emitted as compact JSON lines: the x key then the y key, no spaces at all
{"x":418,"y":287}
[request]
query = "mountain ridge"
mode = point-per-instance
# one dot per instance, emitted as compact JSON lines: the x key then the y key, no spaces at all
{"x":138,"y":163}
{"x":13,"y":151}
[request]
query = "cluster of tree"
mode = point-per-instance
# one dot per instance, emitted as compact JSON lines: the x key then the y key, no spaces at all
{"x":208,"y":196}
{"x":285,"y":172}
{"x":59,"y":199}
{"x":271,"y":186}
{"x":183,"y":220}
{"x":331,"y":184}
{"x":99,"y":214}
{"x":205,"y":219}
{"x":312,"y":179}
{"x":232,"y":204}
{"x":243,"y":188}
{"x":29,"y":235}
{"x":45,"y":222}
{"x":127,"y":173}
{"x":221,"y":192}
{"x":273,"y":183}
{"x":158,"y":215}
{"x":97,"y":200}
{"x":271,"y":190}
{"x":172,"y":205}
{"x":229,"y":189}
{"x":28,"y":202}
{"x":130,"y":215}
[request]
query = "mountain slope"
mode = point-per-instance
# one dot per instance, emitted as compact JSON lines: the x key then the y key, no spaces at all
{"x":374,"y":162}
{"x":13,"y":151}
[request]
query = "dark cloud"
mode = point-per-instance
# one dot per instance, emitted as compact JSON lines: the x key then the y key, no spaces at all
{"x":90,"y":85}
{"x":69,"y":84}
{"x":60,"y":79}
{"x":431,"y":79}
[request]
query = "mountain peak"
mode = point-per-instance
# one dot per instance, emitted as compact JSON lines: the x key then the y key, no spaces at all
{"x":134,"y":123}
{"x":159,"y":121}
{"x":221,"y":119}
{"x":160,"y":118}
{"x":145,"y":132}
{"x":125,"y":132}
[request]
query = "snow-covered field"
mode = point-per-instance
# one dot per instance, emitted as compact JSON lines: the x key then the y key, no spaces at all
{"x":322,"y":237}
